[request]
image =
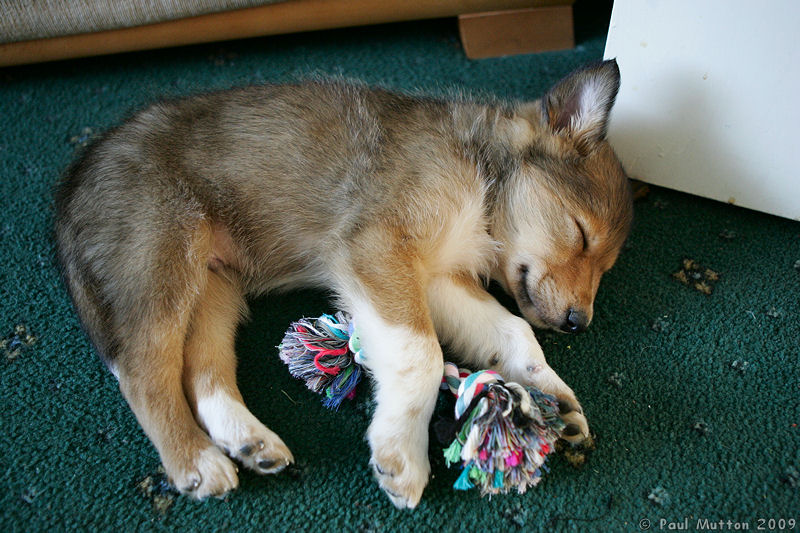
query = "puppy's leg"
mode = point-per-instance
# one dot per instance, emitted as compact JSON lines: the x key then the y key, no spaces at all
{"x":487,"y":335}
{"x":209,"y":379}
{"x":155,"y":298}
{"x":152,"y":323}
{"x":405,"y":359}
{"x":151,"y":383}
{"x":407,"y":366}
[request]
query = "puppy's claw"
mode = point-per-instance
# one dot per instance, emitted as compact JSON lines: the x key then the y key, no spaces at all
{"x":193,"y":485}
{"x":380,"y":471}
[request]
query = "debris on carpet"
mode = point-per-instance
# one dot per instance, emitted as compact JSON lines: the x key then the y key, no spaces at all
{"x":616,"y":379}
{"x":83,"y":139}
{"x":104,"y":435}
{"x":29,"y":495}
{"x":740,"y":365}
{"x":156,"y":488}
{"x":516,"y":514}
{"x":16,"y":343}
{"x":660,"y":324}
{"x":701,"y":427}
{"x":791,"y":476}
{"x":727,"y":234}
{"x":659,"y":496}
{"x":692,"y":274}
{"x":576,"y":454}
{"x":55,"y":385}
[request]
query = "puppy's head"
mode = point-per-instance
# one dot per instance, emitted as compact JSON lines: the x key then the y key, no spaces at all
{"x":566,"y":208}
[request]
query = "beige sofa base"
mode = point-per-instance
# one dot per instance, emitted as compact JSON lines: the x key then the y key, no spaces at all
{"x":272,"y":19}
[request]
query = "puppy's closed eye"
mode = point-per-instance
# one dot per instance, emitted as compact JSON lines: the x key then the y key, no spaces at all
{"x":584,"y":242}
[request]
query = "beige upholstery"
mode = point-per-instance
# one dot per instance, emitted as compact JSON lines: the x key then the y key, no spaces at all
{"x":23,"y":20}
{"x":220,"y":20}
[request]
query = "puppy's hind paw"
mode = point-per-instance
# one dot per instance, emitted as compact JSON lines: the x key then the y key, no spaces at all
{"x":209,"y":474}
{"x":263,"y":452}
{"x":236,"y":430}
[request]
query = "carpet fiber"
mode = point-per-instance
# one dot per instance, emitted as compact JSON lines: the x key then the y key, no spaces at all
{"x":694,"y":397}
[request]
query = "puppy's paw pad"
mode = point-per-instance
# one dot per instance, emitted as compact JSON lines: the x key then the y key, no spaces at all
{"x":576,"y":430}
{"x":210,"y":474}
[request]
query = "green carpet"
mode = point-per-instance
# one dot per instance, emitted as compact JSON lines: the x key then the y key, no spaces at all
{"x":695,"y":398}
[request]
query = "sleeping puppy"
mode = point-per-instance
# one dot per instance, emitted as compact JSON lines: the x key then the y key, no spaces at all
{"x":402,"y":206}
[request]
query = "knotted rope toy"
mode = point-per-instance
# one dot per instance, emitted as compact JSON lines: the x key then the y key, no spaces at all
{"x":502,"y":432}
{"x":326,"y":354}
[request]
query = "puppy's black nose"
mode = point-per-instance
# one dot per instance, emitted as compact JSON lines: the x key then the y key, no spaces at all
{"x":575,"y":322}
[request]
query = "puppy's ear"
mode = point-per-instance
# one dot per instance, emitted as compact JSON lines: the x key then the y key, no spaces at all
{"x":578,"y":105}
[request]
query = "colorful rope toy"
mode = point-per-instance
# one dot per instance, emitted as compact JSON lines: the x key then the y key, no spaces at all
{"x":325,"y":353}
{"x":502,"y":432}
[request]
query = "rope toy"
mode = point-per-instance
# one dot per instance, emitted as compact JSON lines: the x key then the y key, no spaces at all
{"x":325,"y":353}
{"x":502,"y":432}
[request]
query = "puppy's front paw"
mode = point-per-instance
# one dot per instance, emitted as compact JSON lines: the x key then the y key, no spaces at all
{"x":401,"y":475}
{"x":208,"y":473}
{"x":400,"y":459}
{"x":577,"y":428}
{"x":541,"y":376}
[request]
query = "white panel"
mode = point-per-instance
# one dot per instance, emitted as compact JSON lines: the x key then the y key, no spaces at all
{"x":709,"y":98}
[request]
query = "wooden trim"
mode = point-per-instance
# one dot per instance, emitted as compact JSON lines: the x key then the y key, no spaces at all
{"x":518,"y":31}
{"x":283,"y":17}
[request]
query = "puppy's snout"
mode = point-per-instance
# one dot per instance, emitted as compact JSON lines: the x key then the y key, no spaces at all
{"x":576,"y":321}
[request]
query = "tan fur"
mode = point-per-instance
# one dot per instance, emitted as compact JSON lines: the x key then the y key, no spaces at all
{"x":402,"y":206}
{"x":209,"y":359}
